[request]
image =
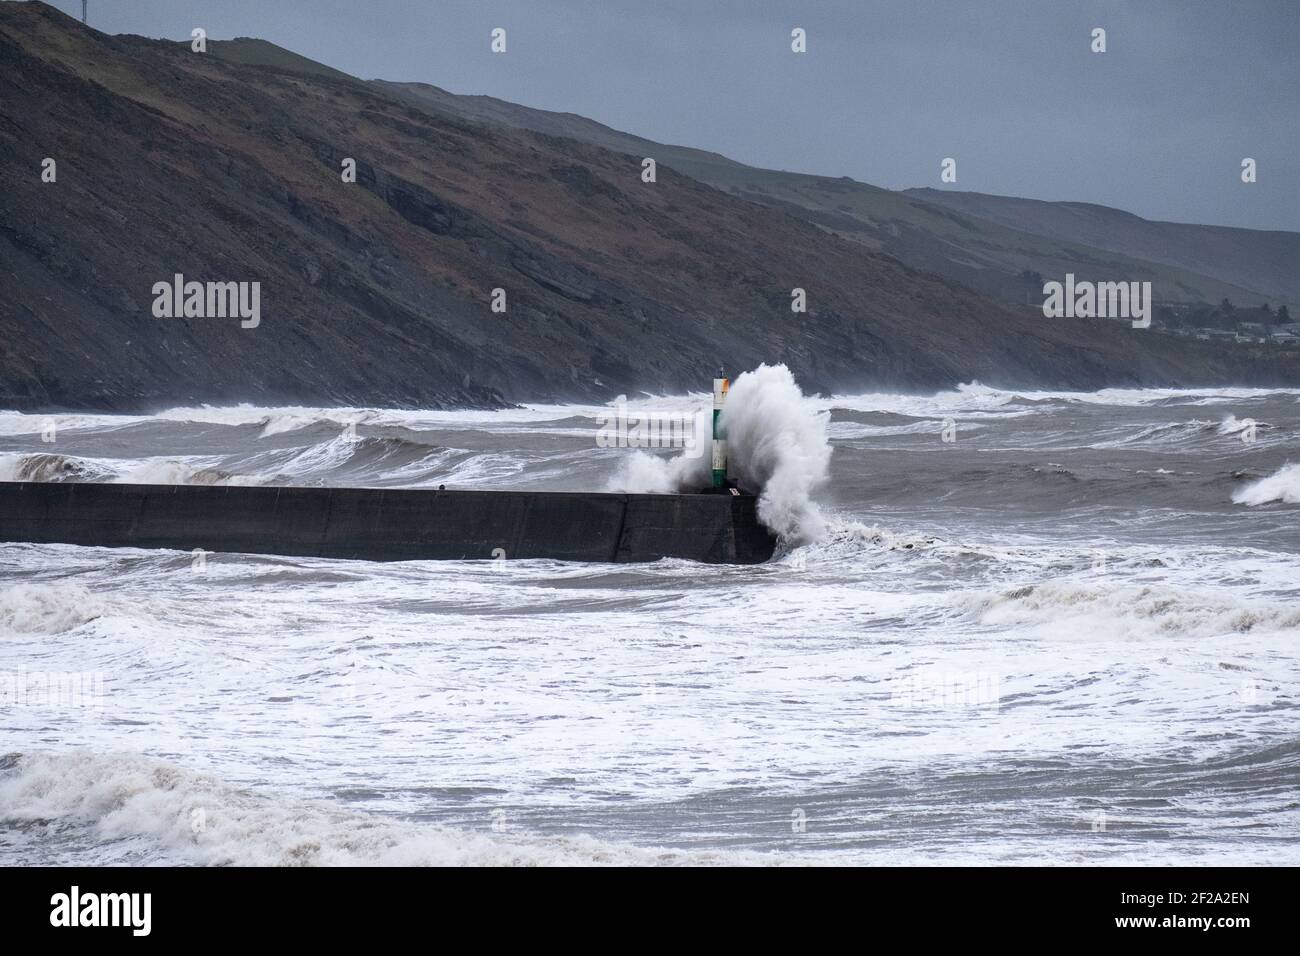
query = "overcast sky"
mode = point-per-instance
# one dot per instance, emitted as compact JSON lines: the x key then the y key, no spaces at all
{"x":1157,"y":125}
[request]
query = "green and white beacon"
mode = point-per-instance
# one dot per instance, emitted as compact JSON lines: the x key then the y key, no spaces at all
{"x":720,"y":387}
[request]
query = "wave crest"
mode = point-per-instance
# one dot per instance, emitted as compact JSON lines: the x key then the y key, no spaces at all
{"x":47,"y":608}
{"x":196,"y":818}
{"x":1281,"y":486}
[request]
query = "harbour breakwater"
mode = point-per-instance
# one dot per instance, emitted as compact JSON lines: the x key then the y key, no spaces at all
{"x":389,"y":524}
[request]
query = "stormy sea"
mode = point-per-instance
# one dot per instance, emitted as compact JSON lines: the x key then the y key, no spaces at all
{"x":1002,"y":627}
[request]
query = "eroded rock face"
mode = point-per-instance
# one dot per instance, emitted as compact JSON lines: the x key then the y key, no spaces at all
{"x":379,"y":291}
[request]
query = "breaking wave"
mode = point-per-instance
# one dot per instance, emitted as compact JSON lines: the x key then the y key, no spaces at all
{"x":389,"y":458}
{"x":144,"y":471}
{"x":195,"y":818}
{"x":1283,"y":485}
{"x":1076,"y":609}
{"x":47,"y":608}
{"x":47,"y":467}
{"x":1232,"y":425}
{"x":348,"y":457}
{"x":777,"y":444}
{"x":170,"y":471}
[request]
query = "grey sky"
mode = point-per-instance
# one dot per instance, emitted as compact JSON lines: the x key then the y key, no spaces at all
{"x":1157,"y":125}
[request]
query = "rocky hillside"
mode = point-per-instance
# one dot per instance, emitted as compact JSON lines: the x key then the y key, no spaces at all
{"x":1266,"y":263}
{"x":379,"y":291}
{"x":986,"y":242}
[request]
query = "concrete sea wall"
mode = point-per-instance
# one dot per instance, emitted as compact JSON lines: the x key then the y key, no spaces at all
{"x":387,"y":524}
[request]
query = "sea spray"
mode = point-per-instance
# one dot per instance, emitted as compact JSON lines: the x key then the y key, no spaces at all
{"x":1282,"y":486}
{"x":777,"y":445}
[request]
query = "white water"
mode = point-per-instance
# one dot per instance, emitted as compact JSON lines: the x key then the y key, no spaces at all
{"x":1283,"y":485}
{"x":1086,"y":604}
{"x":777,"y":446}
